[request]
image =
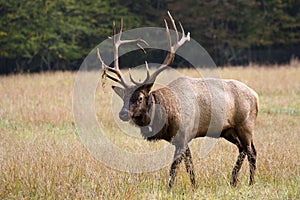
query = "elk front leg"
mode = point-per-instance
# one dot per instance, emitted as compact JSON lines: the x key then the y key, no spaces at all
{"x":189,"y":166}
{"x":173,"y":170}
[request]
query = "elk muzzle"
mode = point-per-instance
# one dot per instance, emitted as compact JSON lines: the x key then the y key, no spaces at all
{"x":124,"y":115}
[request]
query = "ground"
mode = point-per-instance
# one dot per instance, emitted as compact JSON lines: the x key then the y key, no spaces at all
{"x":41,"y":155}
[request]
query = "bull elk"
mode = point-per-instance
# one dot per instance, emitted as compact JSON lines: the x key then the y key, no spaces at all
{"x":185,"y":100}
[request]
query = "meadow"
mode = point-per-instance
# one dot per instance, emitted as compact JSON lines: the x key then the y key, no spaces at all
{"x":42,"y":157}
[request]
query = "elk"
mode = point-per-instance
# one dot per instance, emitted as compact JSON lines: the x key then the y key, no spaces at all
{"x":187,"y":104}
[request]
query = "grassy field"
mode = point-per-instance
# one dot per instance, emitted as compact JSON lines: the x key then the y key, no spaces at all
{"x":42,"y":157}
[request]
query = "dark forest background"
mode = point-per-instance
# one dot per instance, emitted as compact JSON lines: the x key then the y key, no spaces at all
{"x":41,"y":35}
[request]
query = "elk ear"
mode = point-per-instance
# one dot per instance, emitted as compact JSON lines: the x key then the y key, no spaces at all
{"x":119,"y":91}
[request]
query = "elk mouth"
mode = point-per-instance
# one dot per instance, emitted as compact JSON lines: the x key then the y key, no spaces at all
{"x":137,"y":117}
{"x":140,"y":119}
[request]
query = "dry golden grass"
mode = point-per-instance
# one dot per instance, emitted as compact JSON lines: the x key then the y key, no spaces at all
{"x":41,"y":156}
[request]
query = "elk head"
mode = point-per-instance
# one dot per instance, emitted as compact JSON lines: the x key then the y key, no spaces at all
{"x":137,"y":99}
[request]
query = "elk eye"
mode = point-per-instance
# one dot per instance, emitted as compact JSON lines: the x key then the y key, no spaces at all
{"x":140,"y":99}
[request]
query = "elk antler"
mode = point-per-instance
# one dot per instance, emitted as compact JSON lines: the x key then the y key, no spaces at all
{"x":117,"y":42}
{"x":171,"y":54}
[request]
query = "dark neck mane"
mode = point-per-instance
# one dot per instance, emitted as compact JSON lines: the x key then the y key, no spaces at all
{"x":157,"y":129}
{"x":148,"y":131}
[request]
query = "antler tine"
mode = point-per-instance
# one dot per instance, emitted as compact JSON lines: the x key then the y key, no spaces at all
{"x":121,"y":29}
{"x":117,"y":42}
{"x":182,"y":29}
{"x":147,"y":77}
{"x":136,"y":41}
{"x":102,"y":62}
{"x":168,"y":35}
{"x":114,"y":28}
{"x":141,"y":47}
{"x":107,"y":68}
{"x":148,"y":71}
{"x":172,"y":48}
{"x":183,"y":39}
{"x":131,"y":79}
{"x":174,"y":26}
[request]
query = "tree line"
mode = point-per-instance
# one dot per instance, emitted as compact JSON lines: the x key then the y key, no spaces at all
{"x":40,"y":35}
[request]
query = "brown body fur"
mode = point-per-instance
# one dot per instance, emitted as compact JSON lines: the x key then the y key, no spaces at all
{"x":188,"y":101}
{"x":241,"y":104}
{"x":188,"y":108}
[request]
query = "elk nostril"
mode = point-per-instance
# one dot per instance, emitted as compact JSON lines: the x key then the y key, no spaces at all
{"x":124,"y":116}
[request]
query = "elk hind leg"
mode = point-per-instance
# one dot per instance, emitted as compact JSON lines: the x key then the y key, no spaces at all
{"x":231,"y":136}
{"x":251,"y":154}
{"x":237,"y":167}
{"x":245,"y":136}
